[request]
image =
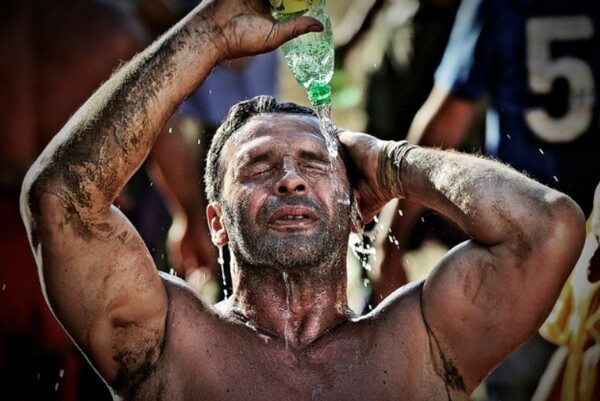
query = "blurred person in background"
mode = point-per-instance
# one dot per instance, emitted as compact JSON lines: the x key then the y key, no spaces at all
{"x":53,"y":55}
{"x":573,"y":372}
{"x":539,"y":63}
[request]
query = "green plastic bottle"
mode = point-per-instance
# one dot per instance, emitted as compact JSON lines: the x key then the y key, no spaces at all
{"x":310,"y":57}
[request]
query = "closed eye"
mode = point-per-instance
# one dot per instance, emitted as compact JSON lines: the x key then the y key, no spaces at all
{"x":261,"y":169}
{"x":316,"y":167}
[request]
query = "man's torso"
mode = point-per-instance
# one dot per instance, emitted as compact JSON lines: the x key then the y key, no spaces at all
{"x":209,"y":357}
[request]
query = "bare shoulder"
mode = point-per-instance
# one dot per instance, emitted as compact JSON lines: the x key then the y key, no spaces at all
{"x":402,"y":303}
{"x":190,"y":319}
{"x":409,"y":346}
{"x":400,"y":316}
{"x":185,"y":302}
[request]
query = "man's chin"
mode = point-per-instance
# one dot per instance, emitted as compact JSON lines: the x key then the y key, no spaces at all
{"x":295,"y":250}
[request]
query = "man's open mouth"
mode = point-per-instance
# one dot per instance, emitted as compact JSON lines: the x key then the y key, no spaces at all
{"x":293,"y":217}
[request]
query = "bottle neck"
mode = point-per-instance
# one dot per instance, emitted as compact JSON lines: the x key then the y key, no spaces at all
{"x":319,"y":95}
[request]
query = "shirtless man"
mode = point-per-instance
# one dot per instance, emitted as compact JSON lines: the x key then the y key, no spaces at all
{"x":285,"y":211}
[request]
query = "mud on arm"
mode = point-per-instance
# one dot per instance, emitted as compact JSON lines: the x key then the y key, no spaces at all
{"x":97,"y":274}
{"x":490,"y":294}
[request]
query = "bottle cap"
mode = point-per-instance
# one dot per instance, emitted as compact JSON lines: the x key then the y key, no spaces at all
{"x":292,"y":6}
{"x":319,"y":95}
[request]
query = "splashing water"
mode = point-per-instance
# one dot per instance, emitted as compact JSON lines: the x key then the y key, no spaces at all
{"x":221,"y":261}
{"x":328,"y":129}
{"x":362,"y":251}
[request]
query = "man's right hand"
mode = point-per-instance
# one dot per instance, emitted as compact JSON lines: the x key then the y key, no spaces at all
{"x":245,"y":27}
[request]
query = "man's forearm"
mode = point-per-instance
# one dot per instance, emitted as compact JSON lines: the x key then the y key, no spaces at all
{"x":488,"y":200}
{"x":110,"y":136}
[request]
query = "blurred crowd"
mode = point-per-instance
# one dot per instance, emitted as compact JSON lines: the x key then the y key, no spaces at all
{"x":513,"y":79}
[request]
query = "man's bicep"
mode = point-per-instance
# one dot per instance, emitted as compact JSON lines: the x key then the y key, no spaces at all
{"x":479,"y":306}
{"x":101,"y":283}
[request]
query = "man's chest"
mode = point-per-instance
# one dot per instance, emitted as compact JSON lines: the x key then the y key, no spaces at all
{"x":344,"y":369}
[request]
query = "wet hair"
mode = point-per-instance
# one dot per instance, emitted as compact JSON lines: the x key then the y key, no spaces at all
{"x":239,"y":115}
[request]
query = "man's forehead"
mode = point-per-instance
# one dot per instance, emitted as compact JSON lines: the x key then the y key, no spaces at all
{"x":275,"y":128}
{"x":279,"y":123}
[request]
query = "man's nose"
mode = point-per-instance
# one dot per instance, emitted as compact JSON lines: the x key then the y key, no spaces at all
{"x":290,"y":183}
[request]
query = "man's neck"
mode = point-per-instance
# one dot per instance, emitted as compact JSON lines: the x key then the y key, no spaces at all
{"x":296,"y":306}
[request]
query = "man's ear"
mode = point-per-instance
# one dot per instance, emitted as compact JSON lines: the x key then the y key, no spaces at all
{"x":358,"y":222}
{"x":215,"y":223}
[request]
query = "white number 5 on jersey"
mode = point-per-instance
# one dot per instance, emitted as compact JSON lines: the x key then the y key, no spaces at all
{"x":544,"y":70}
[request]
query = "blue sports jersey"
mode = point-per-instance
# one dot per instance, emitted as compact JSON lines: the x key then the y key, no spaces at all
{"x":539,"y":61}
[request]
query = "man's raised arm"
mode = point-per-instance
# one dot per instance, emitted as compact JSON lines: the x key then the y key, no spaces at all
{"x":97,"y":274}
{"x":489,"y":294}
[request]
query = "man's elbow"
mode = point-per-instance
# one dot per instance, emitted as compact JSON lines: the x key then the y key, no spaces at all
{"x":564,"y":231}
{"x":30,"y":196}
{"x":37,"y":182}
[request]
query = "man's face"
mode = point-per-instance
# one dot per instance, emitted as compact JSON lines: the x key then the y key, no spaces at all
{"x":284,"y":203}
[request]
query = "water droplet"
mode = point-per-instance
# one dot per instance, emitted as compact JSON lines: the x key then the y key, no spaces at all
{"x":172,"y":272}
{"x":555,"y":178}
{"x":61,"y":373}
{"x":199,"y":142}
{"x":56,"y":387}
{"x":3,"y":287}
{"x":151,"y":184}
{"x":508,"y":136}
{"x":170,"y":130}
{"x":400,"y":212}
{"x":221,"y":261}
{"x":541,"y":151}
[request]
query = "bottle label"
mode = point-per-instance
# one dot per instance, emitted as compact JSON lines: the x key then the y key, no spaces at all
{"x":291,"y":6}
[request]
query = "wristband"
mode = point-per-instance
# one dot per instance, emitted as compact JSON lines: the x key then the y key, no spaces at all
{"x":392,"y":156}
